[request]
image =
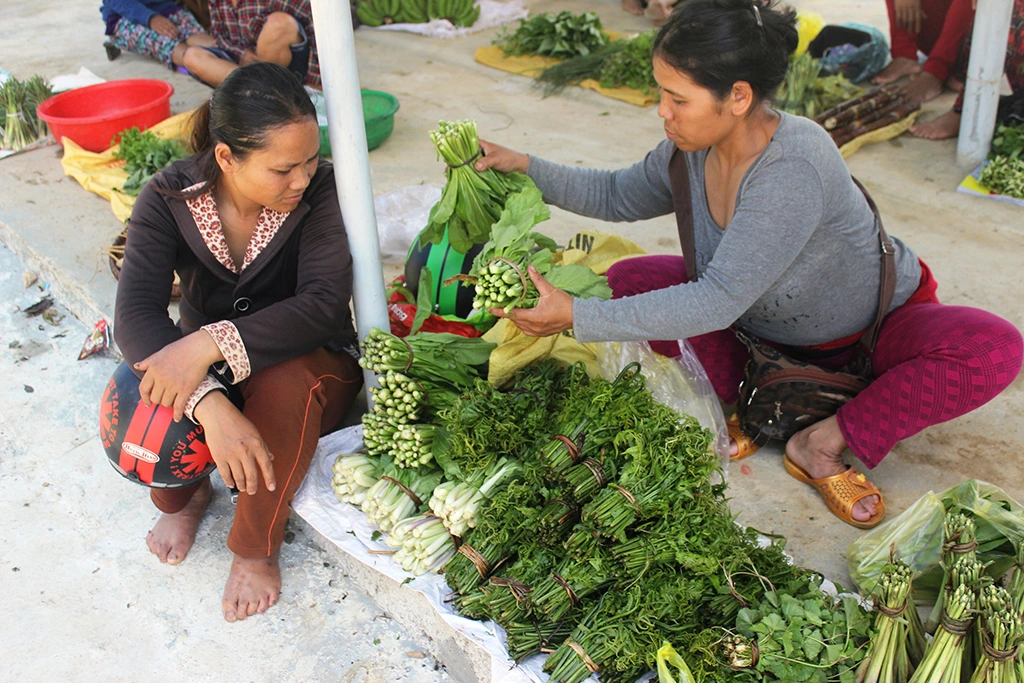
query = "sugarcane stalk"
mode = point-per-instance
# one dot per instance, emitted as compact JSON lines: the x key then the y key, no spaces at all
{"x":887,"y":120}
{"x":880,"y":99}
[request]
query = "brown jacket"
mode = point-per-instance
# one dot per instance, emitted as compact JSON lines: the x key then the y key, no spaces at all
{"x":293,"y":298}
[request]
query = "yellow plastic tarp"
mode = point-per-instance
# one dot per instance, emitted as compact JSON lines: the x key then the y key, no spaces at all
{"x":594,"y":249}
{"x":104,"y":175}
{"x":889,"y":132}
{"x":532,"y":65}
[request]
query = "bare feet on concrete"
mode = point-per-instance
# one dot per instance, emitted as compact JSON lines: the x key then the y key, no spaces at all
{"x":254,"y":585}
{"x":897,"y":69}
{"x":940,"y":128}
{"x":173,"y":535}
{"x":923,"y":87}
{"x":819,"y":451}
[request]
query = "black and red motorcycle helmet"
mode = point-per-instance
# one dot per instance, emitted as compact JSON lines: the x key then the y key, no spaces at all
{"x":145,"y":444}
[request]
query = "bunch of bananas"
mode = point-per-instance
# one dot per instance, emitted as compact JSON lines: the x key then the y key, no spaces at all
{"x":379,"y":12}
{"x":457,"y":12}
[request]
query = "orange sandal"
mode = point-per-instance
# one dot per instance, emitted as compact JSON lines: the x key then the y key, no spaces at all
{"x":841,"y":492}
{"x":744,"y":443}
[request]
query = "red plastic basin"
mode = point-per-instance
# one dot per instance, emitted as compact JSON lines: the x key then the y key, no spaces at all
{"x":92,"y":115}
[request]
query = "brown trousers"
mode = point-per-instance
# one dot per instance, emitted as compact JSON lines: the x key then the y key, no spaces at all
{"x":292,"y":404}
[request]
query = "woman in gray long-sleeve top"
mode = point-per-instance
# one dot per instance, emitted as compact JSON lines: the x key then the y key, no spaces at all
{"x":787,"y":250}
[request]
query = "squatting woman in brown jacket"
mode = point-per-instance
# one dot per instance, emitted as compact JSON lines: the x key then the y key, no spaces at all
{"x":262,"y":361}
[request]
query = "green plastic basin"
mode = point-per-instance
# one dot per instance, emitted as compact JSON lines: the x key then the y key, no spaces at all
{"x":378,"y":116}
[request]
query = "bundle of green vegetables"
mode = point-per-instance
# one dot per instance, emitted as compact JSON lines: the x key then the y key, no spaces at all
{"x":499,"y":270}
{"x":20,"y":100}
{"x":561,"y":36}
{"x":144,"y":154}
{"x":471,"y":200}
{"x":1004,"y":175}
{"x":1001,"y":629}
{"x":436,"y":357}
{"x":805,"y":92}
{"x":622,"y":63}
{"x":899,"y":641}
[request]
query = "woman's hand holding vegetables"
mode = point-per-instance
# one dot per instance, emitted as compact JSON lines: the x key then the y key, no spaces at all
{"x":501,"y":159}
{"x":175,"y":371}
{"x":553,"y":313}
{"x":235,"y":444}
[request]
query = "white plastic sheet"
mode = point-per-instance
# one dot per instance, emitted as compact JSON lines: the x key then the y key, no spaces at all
{"x":492,"y":14}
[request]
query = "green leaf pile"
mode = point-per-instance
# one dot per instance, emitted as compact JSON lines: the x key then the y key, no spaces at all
{"x":144,"y":154}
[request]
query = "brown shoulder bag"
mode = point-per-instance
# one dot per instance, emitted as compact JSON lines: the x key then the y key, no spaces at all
{"x":779,"y":395}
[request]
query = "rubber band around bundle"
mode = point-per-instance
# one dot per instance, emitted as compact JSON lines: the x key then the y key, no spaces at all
{"x":570,"y":445}
{"x":597,"y":470}
{"x":573,"y":598}
{"x":478,"y":560}
{"x":962,"y":548}
{"x":891,"y":612}
{"x":406,"y":490}
{"x":956,"y":627}
{"x":408,"y":364}
{"x":628,"y":496}
{"x":479,"y":153}
{"x":594,"y":668}
{"x":998,"y":656}
{"x":518,"y":589}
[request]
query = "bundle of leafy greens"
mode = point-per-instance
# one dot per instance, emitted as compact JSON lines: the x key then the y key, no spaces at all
{"x":471,"y":200}
{"x":804,"y":92}
{"x":626,"y":62}
{"x":561,"y":36}
{"x":499,"y":270}
{"x":20,"y":101}
{"x":1004,"y":175}
{"x":1008,"y":140}
{"x":441,"y":358}
{"x":144,"y":154}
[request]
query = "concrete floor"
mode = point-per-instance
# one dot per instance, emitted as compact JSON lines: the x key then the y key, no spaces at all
{"x":975,"y":247}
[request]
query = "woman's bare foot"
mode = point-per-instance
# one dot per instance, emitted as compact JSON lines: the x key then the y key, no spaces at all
{"x":897,"y":69}
{"x":173,"y":535}
{"x":818,"y":450}
{"x":940,"y":128}
{"x":254,"y":585}
{"x":923,"y":87}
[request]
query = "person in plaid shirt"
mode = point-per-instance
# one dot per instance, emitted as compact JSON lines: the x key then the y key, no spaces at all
{"x":247,"y":31}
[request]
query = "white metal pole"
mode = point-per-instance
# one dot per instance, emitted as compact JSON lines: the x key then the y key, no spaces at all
{"x":336,"y":46}
{"x":984,"y":76}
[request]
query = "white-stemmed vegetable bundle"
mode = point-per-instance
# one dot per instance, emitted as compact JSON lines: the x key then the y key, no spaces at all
{"x":499,"y":273}
{"x":457,"y":505}
{"x":354,"y":476}
{"x":471,"y":200}
{"x":424,"y":544}
{"x":391,"y":499}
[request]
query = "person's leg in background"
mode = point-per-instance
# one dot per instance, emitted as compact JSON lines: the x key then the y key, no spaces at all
{"x":947,"y":125}
{"x":943,"y":53}
{"x":280,"y":31}
{"x":905,"y":41}
{"x":190,"y":32}
{"x":291,"y":404}
{"x":144,"y":41}
{"x":723,"y":356}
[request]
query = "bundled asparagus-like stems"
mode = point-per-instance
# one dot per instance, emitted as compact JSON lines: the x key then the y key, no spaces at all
{"x":872,"y":110}
{"x":942,"y":662}
{"x":1002,"y":632}
{"x":424,"y":544}
{"x":888,"y":659}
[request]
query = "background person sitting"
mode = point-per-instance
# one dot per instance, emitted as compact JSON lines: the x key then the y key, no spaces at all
{"x":248,"y":31}
{"x":158,"y":29}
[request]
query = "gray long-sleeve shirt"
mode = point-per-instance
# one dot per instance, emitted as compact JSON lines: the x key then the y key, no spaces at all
{"x":799,"y":263}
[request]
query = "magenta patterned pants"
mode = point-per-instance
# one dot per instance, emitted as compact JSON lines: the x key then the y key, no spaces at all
{"x":142,"y":40}
{"x":931,"y":363}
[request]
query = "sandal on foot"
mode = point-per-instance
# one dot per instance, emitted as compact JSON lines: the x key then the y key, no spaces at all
{"x":841,"y":492}
{"x":744,"y":443}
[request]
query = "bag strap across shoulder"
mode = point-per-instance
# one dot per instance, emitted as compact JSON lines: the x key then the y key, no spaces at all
{"x":679,"y":174}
